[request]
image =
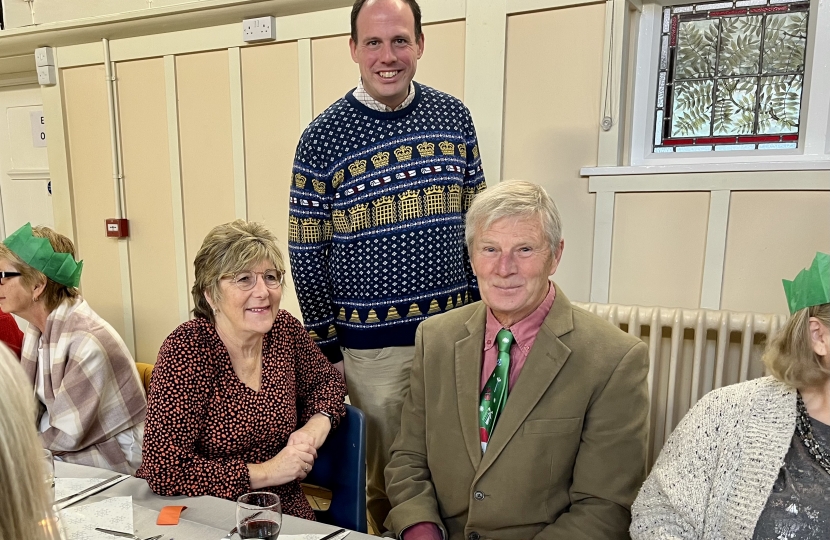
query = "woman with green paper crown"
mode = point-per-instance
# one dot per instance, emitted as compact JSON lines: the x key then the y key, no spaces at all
{"x":752,"y":460}
{"x":91,"y":402}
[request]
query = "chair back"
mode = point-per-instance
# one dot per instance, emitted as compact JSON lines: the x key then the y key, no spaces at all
{"x":341,"y":468}
{"x":145,"y":372}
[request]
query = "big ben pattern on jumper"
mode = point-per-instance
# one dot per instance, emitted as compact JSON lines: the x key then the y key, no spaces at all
{"x":376,"y":218}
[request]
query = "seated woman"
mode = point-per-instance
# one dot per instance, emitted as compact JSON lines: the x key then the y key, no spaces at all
{"x":25,"y":499}
{"x":752,"y":460}
{"x":92,"y":404}
{"x":232,"y":386}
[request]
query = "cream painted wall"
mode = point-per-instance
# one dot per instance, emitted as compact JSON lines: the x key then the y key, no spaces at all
{"x":88,"y":134}
{"x":772,"y":235}
{"x":149,"y":207}
{"x":333,"y":71}
{"x":206,"y":151}
{"x":659,"y":241}
{"x":272,"y":128}
{"x":550,"y":131}
{"x":550,"y":121}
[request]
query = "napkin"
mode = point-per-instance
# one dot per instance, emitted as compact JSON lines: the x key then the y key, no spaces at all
{"x":115,"y":513}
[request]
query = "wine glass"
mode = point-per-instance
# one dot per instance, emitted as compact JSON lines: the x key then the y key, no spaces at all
{"x":49,"y":473}
{"x":259,"y":515}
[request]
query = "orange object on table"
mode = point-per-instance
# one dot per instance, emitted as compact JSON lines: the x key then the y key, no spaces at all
{"x":169,"y":515}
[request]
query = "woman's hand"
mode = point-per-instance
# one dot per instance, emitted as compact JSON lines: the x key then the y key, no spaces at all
{"x":313,"y":433}
{"x":292,"y":463}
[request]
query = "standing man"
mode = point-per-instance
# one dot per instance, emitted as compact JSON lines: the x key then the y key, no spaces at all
{"x":381,"y":182}
{"x":526,"y":416}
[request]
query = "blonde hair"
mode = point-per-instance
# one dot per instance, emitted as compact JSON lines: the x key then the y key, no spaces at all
{"x":790,"y":357}
{"x":227,"y":249}
{"x":514,"y":198}
{"x":54,"y":294}
{"x":25,"y":507}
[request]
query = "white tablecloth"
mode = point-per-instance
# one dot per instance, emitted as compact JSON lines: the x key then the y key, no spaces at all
{"x":219,"y":514}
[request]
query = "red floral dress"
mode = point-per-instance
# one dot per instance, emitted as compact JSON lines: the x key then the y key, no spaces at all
{"x":204,"y":425}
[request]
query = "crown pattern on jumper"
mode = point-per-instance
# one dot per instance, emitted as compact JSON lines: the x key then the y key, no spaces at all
{"x":462,"y":150}
{"x":432,"y":190}
{"x":381,"y":159}
{"x":299,"y":180}
{"x":339,"y":176}
{"x":38,"y":253}
{"x":388,"y":199}
{"x":447,"y":148}
{"x":403,"y":153}
{"x":358,"y":167}
{"x":319,"y":187}
{"x":409,"y":194}
{"x":426,"y":149}
{"x":811,"y":287}
{"x":475,"y":151}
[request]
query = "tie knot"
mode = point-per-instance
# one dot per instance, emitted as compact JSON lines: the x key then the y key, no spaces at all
{"x":504,"y":339}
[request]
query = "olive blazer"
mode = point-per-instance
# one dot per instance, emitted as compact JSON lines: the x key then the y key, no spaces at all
{"x":568,"y":452}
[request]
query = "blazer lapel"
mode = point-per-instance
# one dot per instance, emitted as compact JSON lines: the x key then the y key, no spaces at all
{"x":468,"y":358}
{"x":543,"y":364}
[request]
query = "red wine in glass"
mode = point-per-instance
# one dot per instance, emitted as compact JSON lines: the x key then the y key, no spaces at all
{"x":260,"y":528}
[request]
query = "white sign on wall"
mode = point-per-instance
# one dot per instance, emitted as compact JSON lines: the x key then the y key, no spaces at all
{"x":38,"y":128}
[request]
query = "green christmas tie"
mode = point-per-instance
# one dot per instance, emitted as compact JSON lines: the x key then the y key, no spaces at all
{"x":494,"y":395}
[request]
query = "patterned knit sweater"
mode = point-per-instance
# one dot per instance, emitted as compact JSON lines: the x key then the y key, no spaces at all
{"x":376,"y":219}
{"x":716,"y":472}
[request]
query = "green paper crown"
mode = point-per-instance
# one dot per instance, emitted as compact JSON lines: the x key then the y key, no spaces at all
{"x":811,"y":287}
{"x":38,"y":253}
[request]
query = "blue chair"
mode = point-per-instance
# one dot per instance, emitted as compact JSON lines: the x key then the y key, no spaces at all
{"x":341,"y":468}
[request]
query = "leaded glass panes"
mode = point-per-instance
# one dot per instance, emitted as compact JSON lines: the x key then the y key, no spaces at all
{"x":730,"y":76}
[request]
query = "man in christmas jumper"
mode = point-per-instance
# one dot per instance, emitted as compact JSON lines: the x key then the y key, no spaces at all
{"x":380,"y":185}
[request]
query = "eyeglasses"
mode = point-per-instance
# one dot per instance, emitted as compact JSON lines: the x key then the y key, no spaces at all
{"x":246,"y":281}
{"x":4,"y":275}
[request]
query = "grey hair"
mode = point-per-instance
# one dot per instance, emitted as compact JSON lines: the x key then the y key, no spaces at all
{"x":514,"y":198}
{"x":789,"y":356}
{"x":25,"y":509}
{"x":227,"y":249}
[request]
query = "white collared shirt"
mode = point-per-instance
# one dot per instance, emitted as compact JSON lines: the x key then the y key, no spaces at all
{"x":363,"y":96}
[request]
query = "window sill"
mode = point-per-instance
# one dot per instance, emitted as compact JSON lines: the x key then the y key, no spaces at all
{"x":760,"y":166}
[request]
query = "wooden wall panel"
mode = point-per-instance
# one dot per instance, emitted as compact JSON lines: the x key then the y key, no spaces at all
{"x":206,"y":146}
{"x":271,"y":105}
{"x":657,"y":256}
{"x":551,"y":118}
{"x":772,"y":235}
{"x":142,"y":105}
{"x":88,"y":133}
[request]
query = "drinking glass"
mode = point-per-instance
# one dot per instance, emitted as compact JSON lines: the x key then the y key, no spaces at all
{"x":259,"y":515}
{"x":49,"y":472}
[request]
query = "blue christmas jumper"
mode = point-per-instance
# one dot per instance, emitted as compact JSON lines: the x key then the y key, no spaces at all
{"x":376,"y":219}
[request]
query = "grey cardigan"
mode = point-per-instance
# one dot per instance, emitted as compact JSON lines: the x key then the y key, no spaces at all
{"x":715,"y":474}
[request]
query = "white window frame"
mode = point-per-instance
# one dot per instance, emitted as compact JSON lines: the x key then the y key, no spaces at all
{"x":814,"y":140}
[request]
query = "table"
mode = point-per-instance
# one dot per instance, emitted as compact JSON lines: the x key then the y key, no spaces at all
{"x":205,"y":510}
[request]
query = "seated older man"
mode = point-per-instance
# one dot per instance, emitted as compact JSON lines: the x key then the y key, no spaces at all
{"x":527,"y":415}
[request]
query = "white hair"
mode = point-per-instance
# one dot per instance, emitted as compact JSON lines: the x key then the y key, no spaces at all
{"x":514,"y":198}
{"x":25,"y":502}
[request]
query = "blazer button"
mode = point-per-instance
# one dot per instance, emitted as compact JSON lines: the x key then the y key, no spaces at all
{"x":479,"y":496}
{"x":473,"y":536}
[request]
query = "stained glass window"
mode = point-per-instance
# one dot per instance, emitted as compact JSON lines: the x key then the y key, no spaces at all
{"x":730,"y":76}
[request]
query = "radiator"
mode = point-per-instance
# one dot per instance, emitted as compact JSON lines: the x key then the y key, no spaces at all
{"x":691,"y":351}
